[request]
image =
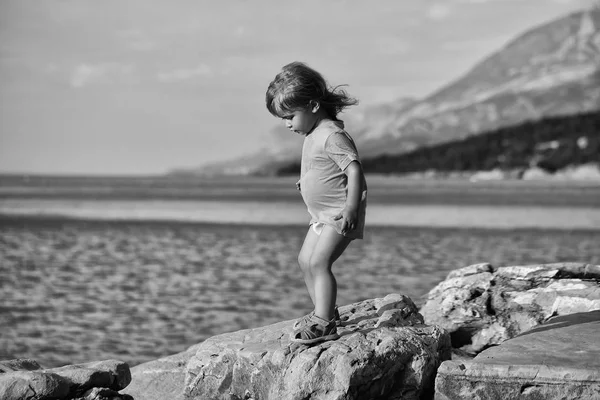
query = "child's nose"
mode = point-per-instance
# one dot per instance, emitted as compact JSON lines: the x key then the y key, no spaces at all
{"x":288,"y":123}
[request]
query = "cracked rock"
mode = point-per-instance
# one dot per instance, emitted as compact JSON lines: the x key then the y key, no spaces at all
{"x":385,"y":351}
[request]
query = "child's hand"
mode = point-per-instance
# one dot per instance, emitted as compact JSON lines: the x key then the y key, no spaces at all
{"x":349,"y":217}
{"x":298,"y":185}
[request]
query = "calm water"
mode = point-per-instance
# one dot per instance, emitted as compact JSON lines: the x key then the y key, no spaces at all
{"x":221,"y":256}
{"x":75,"y":291}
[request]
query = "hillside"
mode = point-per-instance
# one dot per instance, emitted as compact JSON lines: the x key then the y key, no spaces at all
{"x":550,"y":70}
{"x":550,"y":144}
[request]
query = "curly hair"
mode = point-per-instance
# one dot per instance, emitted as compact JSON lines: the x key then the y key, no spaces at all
{"x":297,"y":85}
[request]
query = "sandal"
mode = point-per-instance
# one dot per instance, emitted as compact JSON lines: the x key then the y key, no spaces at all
{"x":316,"y":330}
{"x":304,"y":320}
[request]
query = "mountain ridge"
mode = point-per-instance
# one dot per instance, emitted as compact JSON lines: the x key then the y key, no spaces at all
{"x":549,"y":70}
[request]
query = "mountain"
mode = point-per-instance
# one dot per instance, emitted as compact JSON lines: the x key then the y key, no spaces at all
{"x":550,"y":70}
{"x":549,"y":144}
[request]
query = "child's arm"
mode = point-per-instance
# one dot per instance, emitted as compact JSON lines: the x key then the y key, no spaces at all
{"x":350,"y":212}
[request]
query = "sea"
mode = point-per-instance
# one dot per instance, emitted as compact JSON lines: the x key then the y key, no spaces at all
{"x":138,"y":268}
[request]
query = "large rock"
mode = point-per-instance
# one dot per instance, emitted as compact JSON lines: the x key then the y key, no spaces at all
{"x":160,"y":379}
{"x":559,"y":359}
{"x":24,"y":379}
{"x":385,"y":352}
{"x":109,"y":374}
{"x":482,"y":306}
{"x":20,"y":364}
{"x":39,"y":385}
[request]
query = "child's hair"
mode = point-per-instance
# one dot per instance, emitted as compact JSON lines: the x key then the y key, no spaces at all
{"x":297,"y":85}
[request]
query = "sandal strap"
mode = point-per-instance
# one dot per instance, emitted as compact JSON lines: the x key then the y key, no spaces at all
{"x":303,"y":320}
{"x":316,"y":327}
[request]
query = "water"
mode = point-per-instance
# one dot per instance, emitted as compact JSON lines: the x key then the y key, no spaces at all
{"x":137,"y":287}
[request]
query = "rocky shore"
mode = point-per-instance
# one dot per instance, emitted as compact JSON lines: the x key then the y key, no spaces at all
{"x":25,"y":379}
{"x":520,"y":332}
{"x":482,"y":306}
{"x":475,"y":336}
{"x":559,"y":359}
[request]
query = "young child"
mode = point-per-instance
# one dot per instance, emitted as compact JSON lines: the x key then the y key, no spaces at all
{"x":331,"y":182}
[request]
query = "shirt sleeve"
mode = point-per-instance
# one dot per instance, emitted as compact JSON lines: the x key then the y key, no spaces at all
{"x":341,"y":149}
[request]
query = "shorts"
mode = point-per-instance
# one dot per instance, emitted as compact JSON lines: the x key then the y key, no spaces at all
{"x":318,"y":227}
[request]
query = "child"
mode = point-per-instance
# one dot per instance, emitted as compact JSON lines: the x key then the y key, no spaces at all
{"x":332,"y":185}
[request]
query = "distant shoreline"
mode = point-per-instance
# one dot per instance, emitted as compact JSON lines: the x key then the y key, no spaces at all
{"x":7,"y":220}
{"x":392,"y":201}
{"x":388,"y":190}
{"x":295,"y":214}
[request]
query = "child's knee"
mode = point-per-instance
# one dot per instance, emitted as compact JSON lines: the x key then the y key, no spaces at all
{"x":318,"y":265}
{"x":304,"y":263}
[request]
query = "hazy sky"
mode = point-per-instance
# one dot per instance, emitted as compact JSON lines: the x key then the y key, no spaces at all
{"x":143,"y":86}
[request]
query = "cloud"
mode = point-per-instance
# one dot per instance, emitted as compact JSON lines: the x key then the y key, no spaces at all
{"x":86,"y":74}
{"x":438,"y":11}
{"x":183,"y":74}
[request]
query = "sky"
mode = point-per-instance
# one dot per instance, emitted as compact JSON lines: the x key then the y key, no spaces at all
{"x":140,"y":87}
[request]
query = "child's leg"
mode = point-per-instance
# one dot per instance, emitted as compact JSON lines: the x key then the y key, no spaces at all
{"x":310,"y":241}
{"x":329,"y":247}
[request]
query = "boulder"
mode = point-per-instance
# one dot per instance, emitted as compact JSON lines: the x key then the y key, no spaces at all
{"x":559,"y":359}
{"x":109,"y":374}
{"x":584,"y":172}
{"x":19,"y":364}
{"x":39,"y":385}
{"x":24,"y":379}
{"x":385,"y":351}
{"x":535,"y":173}
{"x":483,"y":306}
{"x":100,"y":393}
{"x":160,"y":379}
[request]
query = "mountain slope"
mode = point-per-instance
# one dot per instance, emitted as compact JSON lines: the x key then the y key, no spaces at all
{"x":551,"y":144}
{"x":550,"y":70}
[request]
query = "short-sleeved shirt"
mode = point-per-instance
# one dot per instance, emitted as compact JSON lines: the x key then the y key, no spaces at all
{"x":327,"y":152}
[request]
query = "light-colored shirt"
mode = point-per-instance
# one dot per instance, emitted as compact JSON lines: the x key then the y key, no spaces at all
{"x":326,"y":153}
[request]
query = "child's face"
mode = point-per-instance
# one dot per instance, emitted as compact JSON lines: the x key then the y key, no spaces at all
{"x":300,"y":121}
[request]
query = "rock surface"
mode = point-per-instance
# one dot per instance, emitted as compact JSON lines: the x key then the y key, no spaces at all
{"x":559,"y":359}
{"x":160,"y":379}
{"x":483,"y":306}
{"x":384,"y":351}
{"x":25,"y":379}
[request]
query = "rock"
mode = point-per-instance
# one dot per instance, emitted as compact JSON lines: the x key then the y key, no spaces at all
{"x":584,"y":172}
{"x":482,"y":306}
{"x":39,"y":385}
{"x":20,"y":364}
{"x":160,"y":379}
{"x":384,"y":351}
{"x":98,"y":393}
{"x":535,"y":173}
{"x":24,"y":379}
{"x":110,"y":374}
{"x":559,"y":359}
{"x":493,"y":175}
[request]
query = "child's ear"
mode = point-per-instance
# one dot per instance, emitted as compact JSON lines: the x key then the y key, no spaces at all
{"x":314,"y":106}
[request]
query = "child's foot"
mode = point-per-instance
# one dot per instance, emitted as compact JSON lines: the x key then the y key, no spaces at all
{"x":304,"y":320}
{"x":315,"y":330}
